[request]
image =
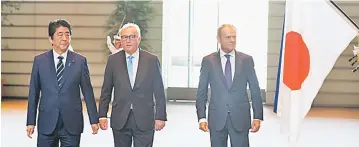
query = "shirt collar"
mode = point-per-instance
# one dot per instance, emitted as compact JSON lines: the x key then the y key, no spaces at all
{"x":222,"y":53}
{"x":135,"y":55}
{"x":57,"y":55}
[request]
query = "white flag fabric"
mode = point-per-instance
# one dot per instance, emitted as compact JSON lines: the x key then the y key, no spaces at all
{"x":315,"y":33}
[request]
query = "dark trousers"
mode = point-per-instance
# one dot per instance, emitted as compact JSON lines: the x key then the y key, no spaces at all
{"x":220,"y":138}
{"x":60,"y":134}
{"x":123,"y":137}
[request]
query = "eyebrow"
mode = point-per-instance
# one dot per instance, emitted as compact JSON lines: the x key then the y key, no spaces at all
{"x":128,"y":34}
{"x":64,"y":32}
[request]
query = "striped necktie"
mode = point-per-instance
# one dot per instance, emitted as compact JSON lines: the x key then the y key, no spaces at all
{"x":59,"y":70}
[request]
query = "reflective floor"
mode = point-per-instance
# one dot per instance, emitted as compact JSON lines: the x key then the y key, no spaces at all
{"x":323,"y":127}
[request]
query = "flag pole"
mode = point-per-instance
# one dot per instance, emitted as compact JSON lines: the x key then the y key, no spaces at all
{"x":276,"y":94}
{"x":341,"y":11}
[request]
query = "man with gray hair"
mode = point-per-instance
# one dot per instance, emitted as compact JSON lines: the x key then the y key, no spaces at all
{"x":139,"y":105}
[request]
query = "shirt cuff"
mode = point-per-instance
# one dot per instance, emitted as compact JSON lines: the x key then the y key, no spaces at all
{"x":103,"y":118}
{"x":202,"y":120}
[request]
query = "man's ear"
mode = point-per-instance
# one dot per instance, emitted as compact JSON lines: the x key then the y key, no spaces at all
{"x":50,"y":40}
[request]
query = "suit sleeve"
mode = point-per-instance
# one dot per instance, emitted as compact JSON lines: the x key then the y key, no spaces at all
{"x":106,"y":90}
{"x":87,"y":91}
{"x":159,"y":93}
{"x":34,"y":94}
{"x":202,"y":91}
{"x":255,"y":90}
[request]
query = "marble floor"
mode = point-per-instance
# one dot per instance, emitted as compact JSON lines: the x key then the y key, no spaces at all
{"x":323,"y":127}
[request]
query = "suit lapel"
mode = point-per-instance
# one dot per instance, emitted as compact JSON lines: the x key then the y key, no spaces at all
{"x":219,"y":69}
{"x":67,"y":69}
{"x":124,"y":64}
{"x":141,"y":70}
{"x":238,"y":65}
{"x":51,"y":64}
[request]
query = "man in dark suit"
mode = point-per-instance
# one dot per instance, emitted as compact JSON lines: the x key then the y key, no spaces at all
{"x":139,"y":105}
{"x":58,"y":75}
{"x":228,"y":72}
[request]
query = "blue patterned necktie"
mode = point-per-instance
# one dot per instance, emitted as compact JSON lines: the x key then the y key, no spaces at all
{"x":130,"y":69}
{"x":59,"y":70}
{"x":228,"y":71}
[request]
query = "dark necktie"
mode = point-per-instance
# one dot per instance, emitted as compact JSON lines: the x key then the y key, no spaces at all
{"x":59,"y":70}
{"x":228,"y":71}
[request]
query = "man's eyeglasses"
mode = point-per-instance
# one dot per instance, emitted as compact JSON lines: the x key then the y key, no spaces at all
{"x":128,"y":37}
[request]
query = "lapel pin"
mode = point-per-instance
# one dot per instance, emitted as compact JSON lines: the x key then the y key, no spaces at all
{"x":73,"y":61}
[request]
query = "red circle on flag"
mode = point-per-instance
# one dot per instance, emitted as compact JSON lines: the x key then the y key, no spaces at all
{"x":296,"y":61}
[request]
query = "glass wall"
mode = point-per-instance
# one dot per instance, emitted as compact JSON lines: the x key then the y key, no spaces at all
{"x":190,"y":29}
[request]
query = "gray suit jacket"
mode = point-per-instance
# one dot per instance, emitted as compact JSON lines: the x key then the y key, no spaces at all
{"x":148,"y":83}
{"x":226,"y":99}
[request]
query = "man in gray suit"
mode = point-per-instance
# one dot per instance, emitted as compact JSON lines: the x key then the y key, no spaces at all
{"x":228,"y":72}
{"x":136,"y":77}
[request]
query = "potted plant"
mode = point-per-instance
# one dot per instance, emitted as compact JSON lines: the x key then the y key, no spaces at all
{"x":138,"y":12}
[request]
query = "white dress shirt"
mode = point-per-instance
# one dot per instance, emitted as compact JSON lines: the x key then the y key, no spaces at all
{"x":232,"y":58}
{"x":135,"y":60}
{"x":56,"y":60}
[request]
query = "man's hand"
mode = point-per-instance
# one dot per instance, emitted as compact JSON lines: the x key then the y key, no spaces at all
{"x":256,"y":124}
{"x":30,"y":130}
{"x":159,"y":125}
{"x":103,"y":124}
{"x":203,"y":126}
{"x":94,"y":128}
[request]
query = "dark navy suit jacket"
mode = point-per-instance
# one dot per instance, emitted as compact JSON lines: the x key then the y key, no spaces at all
{"x":52,"y":100}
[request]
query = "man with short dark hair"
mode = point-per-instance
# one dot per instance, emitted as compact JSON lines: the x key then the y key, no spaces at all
{"x":58,"y":75}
